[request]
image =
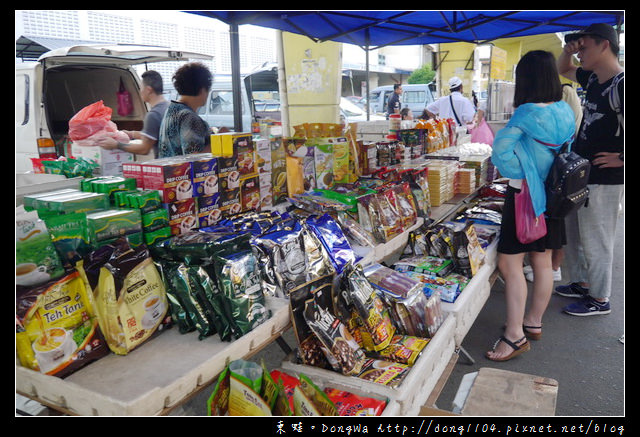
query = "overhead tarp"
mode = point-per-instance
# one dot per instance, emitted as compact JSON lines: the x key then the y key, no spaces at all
{"x":375,"y":29}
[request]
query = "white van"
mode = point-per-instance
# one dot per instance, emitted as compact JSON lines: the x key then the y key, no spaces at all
{"x":52,"y":90}
{"x":218,"y":111}
{"x":414,"y":96}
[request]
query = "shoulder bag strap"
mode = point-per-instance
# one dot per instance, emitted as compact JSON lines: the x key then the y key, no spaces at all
{"x":454,"y":110}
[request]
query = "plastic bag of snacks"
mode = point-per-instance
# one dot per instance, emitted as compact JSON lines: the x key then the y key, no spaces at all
{"x":404,"y":297}
{"x":57,"y":330}
{"x":369,"y":307}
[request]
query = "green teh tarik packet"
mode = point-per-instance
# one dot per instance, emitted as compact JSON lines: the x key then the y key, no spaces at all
{"x":37,"y":260}
{"x":70,"y":236}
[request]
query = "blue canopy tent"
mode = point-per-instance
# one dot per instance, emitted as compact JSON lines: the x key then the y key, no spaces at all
{"x":374,"y":29}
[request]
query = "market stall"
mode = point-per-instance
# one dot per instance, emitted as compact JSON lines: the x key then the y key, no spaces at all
{"x":177,"y":269}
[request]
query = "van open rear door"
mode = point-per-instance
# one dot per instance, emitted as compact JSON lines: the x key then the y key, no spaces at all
{"x":117,"y":54}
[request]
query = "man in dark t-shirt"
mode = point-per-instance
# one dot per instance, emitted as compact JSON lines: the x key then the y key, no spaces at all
{"x":591,"y":230}
{"x":393,"y":105}
{"x":151,"y":93}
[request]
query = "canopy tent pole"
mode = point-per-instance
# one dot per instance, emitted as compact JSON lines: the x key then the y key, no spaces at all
{"x":235,"y":76}
{"x":366,"y":51}
{"x":282,"y":86}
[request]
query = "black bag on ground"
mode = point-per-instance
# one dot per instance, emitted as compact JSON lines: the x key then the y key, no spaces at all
{"x":566,"y":184}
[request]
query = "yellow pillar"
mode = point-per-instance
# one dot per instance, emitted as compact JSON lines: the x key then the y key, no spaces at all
{"x":312,"y":73}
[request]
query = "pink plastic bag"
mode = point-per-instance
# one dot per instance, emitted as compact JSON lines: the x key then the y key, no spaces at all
{"x":125,"y":104}
{"x":90,"y":120}
{"x":529,"y":228}
{"x":482,"y":133}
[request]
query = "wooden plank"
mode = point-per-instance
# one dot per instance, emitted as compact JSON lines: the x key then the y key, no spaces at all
{"x":504,"y":393}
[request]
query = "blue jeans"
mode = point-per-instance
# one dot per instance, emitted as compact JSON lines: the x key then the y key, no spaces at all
{"x":590,"y":239}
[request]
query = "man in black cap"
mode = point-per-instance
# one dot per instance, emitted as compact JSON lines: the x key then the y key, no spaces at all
{"x":591,"y":230}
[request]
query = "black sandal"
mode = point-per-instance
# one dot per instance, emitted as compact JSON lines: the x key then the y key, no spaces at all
{"x":517,"y":350}
{"x":532,"y":335}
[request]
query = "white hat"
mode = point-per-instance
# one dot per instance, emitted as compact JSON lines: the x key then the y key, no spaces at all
{"x":455,"y":82}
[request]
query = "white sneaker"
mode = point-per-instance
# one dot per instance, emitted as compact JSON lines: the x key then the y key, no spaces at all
{"x":528,"y":273}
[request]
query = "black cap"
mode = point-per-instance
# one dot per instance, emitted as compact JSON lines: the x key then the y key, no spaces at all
{"x":602,"y":30}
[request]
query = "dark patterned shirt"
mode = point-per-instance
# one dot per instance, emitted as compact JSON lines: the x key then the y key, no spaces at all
{"x":182,"y":132}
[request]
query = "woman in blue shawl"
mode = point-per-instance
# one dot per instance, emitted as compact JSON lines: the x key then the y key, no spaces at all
{"x":523,"y":150}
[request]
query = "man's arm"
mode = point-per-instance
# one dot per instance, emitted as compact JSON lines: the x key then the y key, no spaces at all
{"x":565,"y":64}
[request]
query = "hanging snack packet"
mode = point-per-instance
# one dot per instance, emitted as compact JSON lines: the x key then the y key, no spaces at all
{"x":57,"y":330}
{"x":36,"y":258}
{"x":128,"y":294}
{"x":239,"y":280}
{"x":369,"y":307}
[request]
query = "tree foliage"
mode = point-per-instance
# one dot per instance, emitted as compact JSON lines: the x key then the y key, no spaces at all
{"x":423,"y":74}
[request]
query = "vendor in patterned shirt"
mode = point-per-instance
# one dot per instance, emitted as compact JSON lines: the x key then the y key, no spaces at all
{"x":182,"y":130}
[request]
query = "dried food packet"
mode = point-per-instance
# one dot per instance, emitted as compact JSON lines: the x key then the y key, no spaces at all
{"x":404,"y":349}
{"x":323,"y":404}
{"x":245,"y":382}
{"x":218,"y":402}
{"x":369,"y":307}
{"x":384,"y":372}
{"x":336,"y":339}
{"x":356,"y":232}
{"x":390,"y":218}
{"x":351,"y":404}
{"x":404,"y":293}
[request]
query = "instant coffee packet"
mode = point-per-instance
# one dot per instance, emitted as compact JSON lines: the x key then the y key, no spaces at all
{"x":128,"y":294}
{"x":341,"y":349}
{"x":57,"y":330}
{"x":309,"y":347}
{"x":239,"y":280}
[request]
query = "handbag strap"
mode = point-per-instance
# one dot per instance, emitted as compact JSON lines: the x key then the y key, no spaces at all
{"x":454,"y":110}
{"x":562,"y":146}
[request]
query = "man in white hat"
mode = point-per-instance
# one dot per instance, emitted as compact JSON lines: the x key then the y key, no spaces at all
{"x":455,"y":105}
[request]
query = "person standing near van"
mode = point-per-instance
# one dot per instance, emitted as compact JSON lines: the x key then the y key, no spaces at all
{"x":455,"y":105}
{"x":151,"y":93}
{"x":394,"y":105}
{"x":182,"y":130}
